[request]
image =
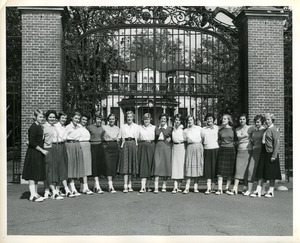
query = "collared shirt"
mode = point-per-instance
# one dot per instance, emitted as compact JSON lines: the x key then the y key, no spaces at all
{"x":177,"y":134}
{"x":209,"y":136}
{"x":72,"y":132}
{"x":49,"y":134}
{"x":110,"y":133}
{"x":243,"y":136}
{"x":147,"y":133}
{"x":130,"y":131}
{"x":161,"y":136}
{"x":193,"y":134}
{"x":264,"y":136}
{"x":84,"y":133}
{"x":60,"y":129}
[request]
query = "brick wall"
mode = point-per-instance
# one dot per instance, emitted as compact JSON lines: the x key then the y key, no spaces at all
{"x":41,"y":65}
{"x":264,"y":67}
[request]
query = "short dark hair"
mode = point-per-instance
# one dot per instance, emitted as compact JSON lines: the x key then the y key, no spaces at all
{"x":50,"y":112}
{"x":188,"y":116}
{"x":60,"y":114}
{"x":209,"y":115}
{"x":259,"y":117}
{"x":162,"y":115}
{"x":243,"y":115}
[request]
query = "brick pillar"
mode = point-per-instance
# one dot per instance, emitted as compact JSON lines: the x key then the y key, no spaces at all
{"x":42,"y":36}
{"x":261,"y":32}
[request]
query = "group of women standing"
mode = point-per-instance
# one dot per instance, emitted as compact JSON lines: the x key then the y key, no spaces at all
{"x":58,"y":154}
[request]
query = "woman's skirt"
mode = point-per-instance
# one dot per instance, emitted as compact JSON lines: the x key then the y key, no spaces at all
{"x":162,"y":159}
{"x":51,"y":167}
{"x":145,"y":158}
{"x":75,"y":160}
{"x":128,"y":163}
{"x":252,"y":168}
{"x":266,"y":169}
{"x":98,"y":163}
{"x":210,"y":163}
{"x":226,"y":161}
{"x":61,"y":158}
{"x":34,"y":166}
{"x":111,"y":158}
{"x":178,"y":156}
{"x":87,"y":157}
{"x":242,"y":161}
{"x":194,"y":160}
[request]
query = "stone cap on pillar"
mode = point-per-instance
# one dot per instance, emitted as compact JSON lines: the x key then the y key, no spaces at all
{"x":42,"y":9}
{"x":260,"y":12}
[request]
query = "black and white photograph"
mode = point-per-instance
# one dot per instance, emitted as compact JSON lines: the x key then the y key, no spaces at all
{"x":149,"y":122}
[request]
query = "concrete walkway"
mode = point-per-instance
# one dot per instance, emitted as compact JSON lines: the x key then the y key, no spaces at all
{"x":150,"y":214}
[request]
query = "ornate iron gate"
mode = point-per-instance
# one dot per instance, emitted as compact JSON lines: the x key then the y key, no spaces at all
{"x":151,"y":59}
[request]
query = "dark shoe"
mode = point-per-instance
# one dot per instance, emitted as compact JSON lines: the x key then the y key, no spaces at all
{"x":269,"y":194}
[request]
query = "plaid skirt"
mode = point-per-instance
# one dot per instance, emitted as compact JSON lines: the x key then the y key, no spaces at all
{"x":62,"y":160}
{"x":253,"y":164}
{"x":75,"y":160}
{"x":226,"y":161}
{"x":51,"y":167}
{"x":210,"y":163}
{"x":194,"y":160}
{"x":266,"y":169}
{"x":145,"y":158}
{"x":128,"y":163}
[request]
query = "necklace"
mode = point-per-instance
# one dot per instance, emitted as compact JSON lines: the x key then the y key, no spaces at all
{"x":243,"y":130}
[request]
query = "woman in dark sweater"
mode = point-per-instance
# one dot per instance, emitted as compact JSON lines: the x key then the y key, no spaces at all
{"x":34,"y":166}
{"x":163,"y":152}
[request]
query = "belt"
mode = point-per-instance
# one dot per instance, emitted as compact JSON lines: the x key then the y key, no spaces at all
{"x":129,"y":139}
{"x":84,"y":141}
{"x":72,"y":141}
{"x":111,"y":141}
{"x":178,"y":143}
{"x":147,"y":141}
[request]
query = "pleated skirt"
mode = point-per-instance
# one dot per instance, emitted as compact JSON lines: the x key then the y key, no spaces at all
{"x":226,"y":161}
{"x":266,"y":169}
{"x":128,"y":162}
{"x":34,"y":166}
{"x":162,"y":159}
{"x":210,"y":163}
{"x":87,"y":157}
{"x":145,"y":158}
{"x":98,"y":163}
{"x":75,"y":160}
{"x":51,"y":167}
{"x":178,"y":156}
{"x":242,"y":162}
{"x":194,"y":160}
{"x":111,"y":158}
{"x":252,"y":168}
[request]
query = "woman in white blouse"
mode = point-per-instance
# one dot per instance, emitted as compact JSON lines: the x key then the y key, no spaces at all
{"x":84,"y":141}
{"x":75,"y":156}
{"x":128,"y":164}
{"x":193,"y":154}
{"x":211,"y":149}
{"x":146,"y":152}
{"x":61,"y":154}
{"x":110,"y":138}
{"x":178,"y":153}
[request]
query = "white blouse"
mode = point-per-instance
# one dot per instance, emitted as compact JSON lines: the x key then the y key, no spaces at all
{"x":147,"y":133}
{"x":84,"y":134}
{"x":192,"y":134}
{"x":60,"y":132}
{"x":72,"y":132}
{"x":131,"y":131}
{"x":177,"y":134}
